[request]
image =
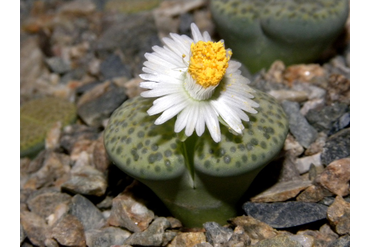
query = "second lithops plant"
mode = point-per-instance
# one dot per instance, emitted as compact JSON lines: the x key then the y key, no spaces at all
{"x":262,"y":31}
{"x":199,"y":176}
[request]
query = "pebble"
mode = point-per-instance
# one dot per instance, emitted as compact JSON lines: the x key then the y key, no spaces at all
{"x":277,"y":241}
{"x":336,"y":177}
{"x":303,"y":164}
{"x":100,"y":158}
{"x":286,"y":214}
{"x":130,"y":214}
{"x":154,"y":235}
{"x":69,"y":231}
{"x":292,"y":147}
{"x":343,"y":241}
{"x":281,"y":191}
{"x":338,"y":89}
{"x":44,"y":202}
{"x":106,"y":237}
{"x":324,"y":119}
{"x":291,"y":95}
{"x":339,"y":216}
{"x":72,"y":134}
{"x":336,"y":147}
{"x":303,"y":73}
{"x":78,"y":7}
{"x":206,"y":244}
{"x":57,"y":65}
{"x":313,"y":92}
{"x":188,"y":239}
{"x":313,"y":193}
{"x":239,"y":238}
{"x":86,"y":212}
{"x":54,"y":166}
{"x":304,"y":240}
{"x":312,"y":105}
{"x":255,"y":229}
{"x":35,"y":227}
{"x":275,"y":72}
{"x":22,"y":234}
{"x":304,"y":133}
{"x":53,"y":136}
{"x":113,"y":67}
{"x":99,"y":103}
{"x":86,"y":180}
{"x":322,"y":238}
{"x":341,"y":123}
{"x":288,"y":171}
{"x":317,"y":146}
{"x":217,"y":234}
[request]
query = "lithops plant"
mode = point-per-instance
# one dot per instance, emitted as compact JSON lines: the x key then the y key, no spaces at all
{"x":262,"y":31}
{"x":37,"y":117}
{"x":198,"y":180}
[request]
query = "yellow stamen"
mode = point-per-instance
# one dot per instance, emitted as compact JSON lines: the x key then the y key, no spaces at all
{"x":208,"y":62}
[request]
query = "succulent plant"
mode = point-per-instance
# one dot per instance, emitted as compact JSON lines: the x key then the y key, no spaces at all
{"x":37,"y":117}
{"x":198,"y":180}
{"x":262,"y":31}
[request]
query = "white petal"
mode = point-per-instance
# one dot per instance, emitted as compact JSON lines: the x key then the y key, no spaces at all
{"x":206,"y":36}
{"x":212,"y":123}
{"x":197,"y":36}
{"x":182,"y":119}
{"x":164,"y":103}
{"x":192,"y":119}
{"x":170,"y":113}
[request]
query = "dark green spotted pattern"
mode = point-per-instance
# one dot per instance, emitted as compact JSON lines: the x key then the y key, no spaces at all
{"x":263,"y":137}
{"x":139,"y":147}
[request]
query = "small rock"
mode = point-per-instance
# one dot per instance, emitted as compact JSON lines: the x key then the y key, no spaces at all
{"x":86,"y":212}
{"x":286,"y":214}
{"x":45,"y":202}
{"x":78,"y":7}
{"x":99,"y":103}
{"x":86,"y":180}
{"x":303,"y":72}
{"x":175,"y":223}
{"x":57,"y":65}
{"x":336,"y":147}
{"x":54,"y":166}
{"x":35,"y":228}
{"x":75,"y":133}
{"x":312,"y":91}
{"x":338,"y":89}
{"x":113,"y":67}
{"x":292,"y":147}
{"x":154,"y":235}
{"x":59,"y":212}
{"x":341,"y":123}
{"x":303,"y":164}
{"x":304,"y":240}
{"x":278,"y":241}
{"x":188,"y":239}
{"x":106,"y":237}
{"x":132,"y":87}
{"x":239,"y":238}
{"x":339,"y":215}
{"x":324,"y":119}
{"x":312,"y":105}
{"x":336,"y":177}
{"x":317,"y":146}
{"x":275,"y":72}
{"x":22,"y":234}
{"x":255,"y":229}
{"x":304,"y":133}
{"x":100,"y":158}
{"x":69,"y":231}
{"x":206,"y":244}
{"x":341,"y":242}
{"x":130,"y":214}
{"x":217,"y":234}
{"x":53,"y":136}
{"x":281,"y":191}
{"x":291,"y":95}
{"x":313,"y":193}
{"x":288,"y":171}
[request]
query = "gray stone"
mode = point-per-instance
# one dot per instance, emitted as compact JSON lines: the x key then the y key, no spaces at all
{"x":129,"y":213}
{"x":113,"y":67}
{"x":303,"y":164}
{"x":324,"y":119}
{"x":22,"y":234}
{"x":304,"y":133}
{"x":155,"y":235}
{"x":291,"y":95}
{"x":134,"y":34}
{"x":281,"y":191}
{"x":341,"y":123}
{"x":217,"y":234}
{"x":99,"y":103}
{"x":206,"y":244}
{"x":76,"y":132}
{"x":185,"y":20}
{"x":86,"y":212}
{"x":44,"y":202}
{"x":278,"y":241}
{"x":86,"y":180}
{"x":69,"y":231}
{"x":106,"y":237}
{"x":343,"y":241}
{"x":336,"y":147}
{"x":286,"y":214}
{"x":57,"y":65}
{"x":35,"y":228}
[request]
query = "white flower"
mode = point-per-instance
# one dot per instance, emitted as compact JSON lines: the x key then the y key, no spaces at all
{"x":196,"y":80}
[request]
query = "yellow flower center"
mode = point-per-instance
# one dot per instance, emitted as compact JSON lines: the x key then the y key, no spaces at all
{"x":208,"y":62}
